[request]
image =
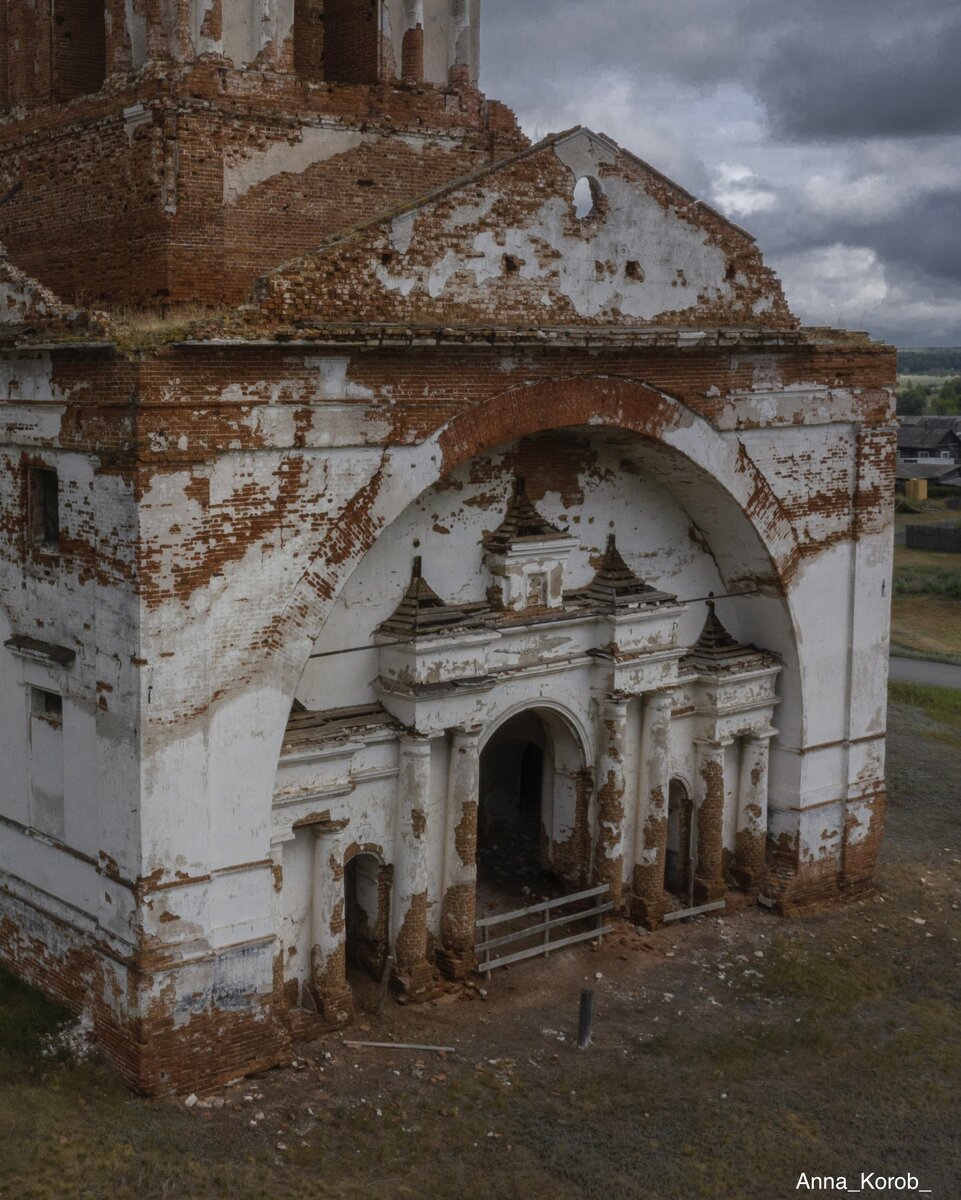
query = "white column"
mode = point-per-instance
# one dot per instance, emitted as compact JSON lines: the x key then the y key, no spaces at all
{"x":459,"y":911}
{"x":329,"y":952}
{"x":710,"y":791}
{"x":653,"y":794}
{"x":411,"y":877}
{"x":611,"y":790}
{"x":750,"y":855}
{"x":460,"y":41}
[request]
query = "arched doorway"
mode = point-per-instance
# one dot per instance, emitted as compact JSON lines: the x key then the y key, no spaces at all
{"x":367,"y":885}
{"x":532,"y":820}
{"x":681,"y":832}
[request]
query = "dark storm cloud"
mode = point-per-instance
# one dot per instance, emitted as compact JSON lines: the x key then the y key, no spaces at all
{"x":844,"y":73}
{"x":845,"y":114}
{"x":820,"y":68}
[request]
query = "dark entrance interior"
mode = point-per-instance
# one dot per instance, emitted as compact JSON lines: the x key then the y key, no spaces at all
{"x":513,"y":850}
{"x":677,"y":862}
{"x":366,"y":901}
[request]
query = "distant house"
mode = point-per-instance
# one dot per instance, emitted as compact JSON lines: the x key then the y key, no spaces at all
{"x":929,"y":448}
{"x":937,"y":474}
{"x":929,"y":440}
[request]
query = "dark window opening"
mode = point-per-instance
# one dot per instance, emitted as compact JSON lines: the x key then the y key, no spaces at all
{"x":47,"y":705}
{"x":43,"y":507}
{"x":79,"y":48}
{"x":351,"y":41}
{"x":633,"y":271}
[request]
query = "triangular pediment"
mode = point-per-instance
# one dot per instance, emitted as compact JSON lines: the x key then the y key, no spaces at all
{"x":514,"y":246}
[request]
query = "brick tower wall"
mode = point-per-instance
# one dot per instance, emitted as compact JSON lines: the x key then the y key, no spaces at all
{"x":79,"y":48}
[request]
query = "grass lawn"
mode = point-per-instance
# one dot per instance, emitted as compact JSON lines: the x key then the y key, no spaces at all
{"x":926,"y":604}
{"x":730,"y":1055}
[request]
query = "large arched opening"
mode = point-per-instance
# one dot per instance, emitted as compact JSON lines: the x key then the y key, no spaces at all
{"x":533,"y":821}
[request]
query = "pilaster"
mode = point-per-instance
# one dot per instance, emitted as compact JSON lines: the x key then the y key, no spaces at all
{"x":650,"y":838}
{"x":459,"y":910}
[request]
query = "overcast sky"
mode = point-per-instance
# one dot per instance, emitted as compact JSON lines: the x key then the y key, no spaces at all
{"x":831,"y":129}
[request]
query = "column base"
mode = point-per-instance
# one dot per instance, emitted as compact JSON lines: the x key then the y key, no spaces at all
{"x":750,"y":880}
{"x":456,"y":964}
{"x":706,"y":891}
{"x":417,"y":983}
{"x":648,"y":912}
{"x":334,"y":1007}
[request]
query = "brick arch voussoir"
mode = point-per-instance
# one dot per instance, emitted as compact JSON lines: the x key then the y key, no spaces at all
{"x":605,"y":402}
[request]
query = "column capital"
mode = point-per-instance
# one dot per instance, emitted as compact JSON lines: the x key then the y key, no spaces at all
{"x":330,"y":831}
{"x":709,"y":743}
{"x":415,"y":743}
{"x":760,"y":736}
{"x":466,"y":735}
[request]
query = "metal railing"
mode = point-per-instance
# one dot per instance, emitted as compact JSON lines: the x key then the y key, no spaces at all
{"x":542,"y":929}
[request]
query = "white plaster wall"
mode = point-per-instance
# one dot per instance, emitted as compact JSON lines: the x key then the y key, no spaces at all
{"x":88,"y":857}
{"x":445,"y":526}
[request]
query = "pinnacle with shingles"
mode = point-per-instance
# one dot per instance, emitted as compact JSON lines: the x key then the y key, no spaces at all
{"x":716,"y":647}
{"x":616,"y":584}
{"x":421,"y":610}
{"x":522,"y":521}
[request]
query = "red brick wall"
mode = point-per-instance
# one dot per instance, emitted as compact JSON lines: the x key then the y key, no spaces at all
{"x":28,"y":26}
{"x":79,"y":48}
{"x":352,"y":41}
{"x":4,"y":54}
{"x":111,"y":213}
{"x":309,"y":39}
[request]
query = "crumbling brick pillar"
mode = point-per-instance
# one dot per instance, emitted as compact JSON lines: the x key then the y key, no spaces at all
{"x":412,"y":45}
{"x":750,"y":851}
{"x":461,"y":52}
{"x":611,"y":789}
{"x":328,"y":959}
{"x":414,"y":973}
{"x":710,"y":787}
{"x":459,"y":910}
{"x":650,"y":838}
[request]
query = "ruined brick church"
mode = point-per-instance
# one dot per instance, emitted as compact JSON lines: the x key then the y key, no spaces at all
{"x":378,"y":492}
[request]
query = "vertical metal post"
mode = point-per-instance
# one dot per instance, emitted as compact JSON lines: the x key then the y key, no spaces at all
{"x":487,"y":954}
{"x":586,"y":1022}
{"x":547,"y":933}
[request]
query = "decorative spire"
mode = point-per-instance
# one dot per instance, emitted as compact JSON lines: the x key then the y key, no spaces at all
{"x":421,"y":611}
{"x":616,"y":585}
{"x":716,"y":650}
{"x":521,"y":522}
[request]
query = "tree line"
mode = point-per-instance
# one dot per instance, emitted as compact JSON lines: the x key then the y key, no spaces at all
{"x":930,"y":399}
{"x":943,"y":360}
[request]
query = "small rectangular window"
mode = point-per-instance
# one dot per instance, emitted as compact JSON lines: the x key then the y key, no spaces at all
{"x":48,"y":705}
{"x":43,"y":507}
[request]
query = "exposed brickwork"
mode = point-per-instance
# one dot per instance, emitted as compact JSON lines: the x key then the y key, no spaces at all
{"x":709,"y":876}
{"x":79,"y":48}
{"x":171,"y":202}
{"x":352,"y":50}
{"x":219,"y":483}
